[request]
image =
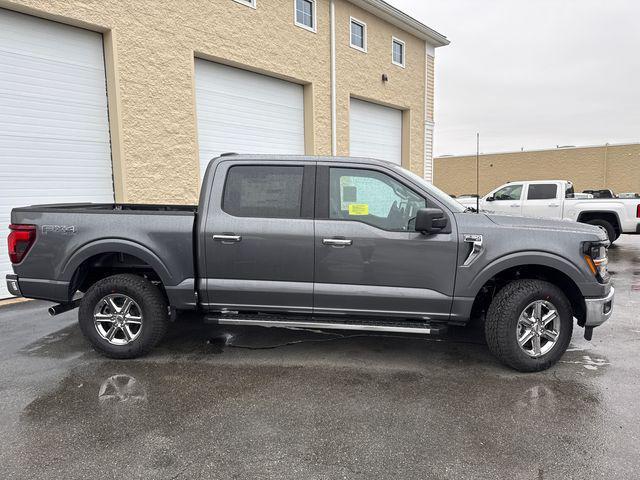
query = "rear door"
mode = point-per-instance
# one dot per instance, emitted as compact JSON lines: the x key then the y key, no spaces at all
{"x":506,"y":200}
{"x":543,"y":199}
{"x":369,"y":258}
{"x":259,"y":237}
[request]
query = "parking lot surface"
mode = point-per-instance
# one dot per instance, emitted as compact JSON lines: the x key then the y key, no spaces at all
{"x":222,"y":402}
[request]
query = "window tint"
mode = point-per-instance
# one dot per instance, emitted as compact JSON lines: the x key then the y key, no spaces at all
{"x":372,"y":197}
{"x":263,"y":191}
{"x":357,"y":34}
{"x":304,"y":13}
{"x":542,"y":191}
{"x":510,"y":192}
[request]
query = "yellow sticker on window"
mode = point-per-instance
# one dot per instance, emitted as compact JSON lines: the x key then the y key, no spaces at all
{"x":357,"y":209}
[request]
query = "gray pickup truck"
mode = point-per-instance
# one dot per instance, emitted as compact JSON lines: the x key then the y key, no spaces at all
{"x":329,"y":243}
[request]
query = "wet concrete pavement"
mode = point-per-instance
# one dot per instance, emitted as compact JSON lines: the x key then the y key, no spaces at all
{"x":222,"y":402}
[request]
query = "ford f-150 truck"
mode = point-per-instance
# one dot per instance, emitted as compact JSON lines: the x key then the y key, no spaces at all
{"x":557,"y":199}
{"x":312,"y":242}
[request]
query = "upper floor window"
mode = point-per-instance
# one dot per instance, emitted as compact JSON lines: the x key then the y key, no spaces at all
{"x":397,"y":52}
{"x":248,"y":3}
{"x":358,"y":35}
{"x":306,"y":14}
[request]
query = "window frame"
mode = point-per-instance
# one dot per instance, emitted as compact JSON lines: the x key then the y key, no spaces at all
{"x":307,"y":192}
{"x":353,"y":20}
{"x":395,"y":40}
{"x":314,"y":16}
{"x":248,"y":3}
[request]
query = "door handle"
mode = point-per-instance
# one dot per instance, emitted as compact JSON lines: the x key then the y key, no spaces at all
{"x":227,"y":238}
{"x":553,"y":205}
{"x":514,"y":206}
{"x":337,"y":242}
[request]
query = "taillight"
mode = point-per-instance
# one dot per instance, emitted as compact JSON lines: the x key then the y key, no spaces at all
{"x":638,"y":211}
{"x":20,"y":240}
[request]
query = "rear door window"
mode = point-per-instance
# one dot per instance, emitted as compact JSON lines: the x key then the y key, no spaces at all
{"x":264,"y":191}
{"x":542,"y":191}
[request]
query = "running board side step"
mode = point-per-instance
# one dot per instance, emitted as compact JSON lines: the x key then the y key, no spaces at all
{"x":401,"y":327}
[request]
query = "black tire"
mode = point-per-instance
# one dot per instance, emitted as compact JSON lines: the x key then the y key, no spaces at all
{"x":502,"y":323}
{"x":606,"y":226}
{"x":153,"y":311}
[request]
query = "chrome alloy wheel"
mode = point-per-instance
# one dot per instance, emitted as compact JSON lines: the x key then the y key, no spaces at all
{"x":118,"y":319}
{"x":538,"y":328}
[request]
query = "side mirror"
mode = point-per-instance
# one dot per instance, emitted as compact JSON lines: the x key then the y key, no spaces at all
{"x":430,"y":220}
{"x":490,"y":198}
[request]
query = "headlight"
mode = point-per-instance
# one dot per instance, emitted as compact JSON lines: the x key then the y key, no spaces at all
{"x":595,"y":254}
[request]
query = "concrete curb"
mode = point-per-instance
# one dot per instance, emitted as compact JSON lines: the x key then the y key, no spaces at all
{"x":12,"y":301}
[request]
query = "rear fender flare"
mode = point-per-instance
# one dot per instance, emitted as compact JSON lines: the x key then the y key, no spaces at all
{"x":113,"y":245}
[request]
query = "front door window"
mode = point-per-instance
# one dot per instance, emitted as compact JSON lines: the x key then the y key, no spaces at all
{"x":374,"y":198}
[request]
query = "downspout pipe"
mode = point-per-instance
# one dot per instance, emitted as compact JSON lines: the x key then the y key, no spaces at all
{"x":334,"y":124}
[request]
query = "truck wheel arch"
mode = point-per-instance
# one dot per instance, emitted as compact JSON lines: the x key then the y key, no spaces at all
{"x":540,"y":265}
{"x":608,"y":216}
{"x":104,"y":247}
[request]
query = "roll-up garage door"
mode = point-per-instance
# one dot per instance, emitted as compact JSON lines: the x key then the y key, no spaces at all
{"x":54,"y":130}
{"x":375,"y":131}
{"x":245,"y":112}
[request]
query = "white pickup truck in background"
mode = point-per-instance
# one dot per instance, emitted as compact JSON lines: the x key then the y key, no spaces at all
{"x":555,"y":199}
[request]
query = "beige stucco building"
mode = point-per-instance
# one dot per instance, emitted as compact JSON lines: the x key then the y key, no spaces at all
{"x":157,"y":58}
{"x":616,"y":167}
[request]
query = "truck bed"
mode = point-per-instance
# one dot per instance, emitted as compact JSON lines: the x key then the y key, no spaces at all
{"x":70,"y":237}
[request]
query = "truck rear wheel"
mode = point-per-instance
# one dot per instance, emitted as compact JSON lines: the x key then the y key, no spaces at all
{"x":529,"y":325}
{"x":123,"y":316}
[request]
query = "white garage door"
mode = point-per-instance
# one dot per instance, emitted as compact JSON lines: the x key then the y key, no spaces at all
{"x":54,"y":133}
{"x":245,"y":112}
{"x":375,"y":131}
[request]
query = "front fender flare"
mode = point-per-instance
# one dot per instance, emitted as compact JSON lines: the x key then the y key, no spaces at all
{"x":519,"y":259}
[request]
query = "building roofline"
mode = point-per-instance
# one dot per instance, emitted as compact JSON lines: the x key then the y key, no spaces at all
{"x":537,"y":150}
{"x":391,"y":14}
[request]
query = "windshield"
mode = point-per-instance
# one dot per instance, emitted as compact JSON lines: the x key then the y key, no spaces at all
{"x":453,"y":205}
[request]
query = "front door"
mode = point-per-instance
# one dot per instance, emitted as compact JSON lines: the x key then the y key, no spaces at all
{"x":369,"y":258}
{"x":259,"y":237}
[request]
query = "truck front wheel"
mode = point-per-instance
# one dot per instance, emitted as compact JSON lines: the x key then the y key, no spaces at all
{"x":123,"y":316}
{"x":606,"y":226}
{"x":529,"y":325}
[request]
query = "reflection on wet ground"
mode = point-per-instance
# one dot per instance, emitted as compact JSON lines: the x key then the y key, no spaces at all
{"x":237,"y":402}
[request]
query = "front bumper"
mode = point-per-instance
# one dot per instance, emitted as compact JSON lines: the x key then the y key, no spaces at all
{"x":13,"y":286}
{"x":599,"y":310}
